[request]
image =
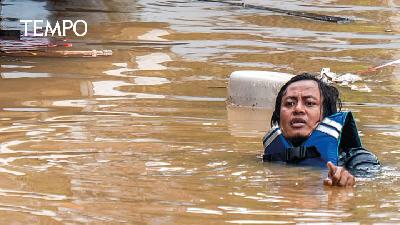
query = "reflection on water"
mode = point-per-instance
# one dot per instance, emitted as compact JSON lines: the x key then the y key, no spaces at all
{"x":145,"y":136}
{"x":245,"y":122}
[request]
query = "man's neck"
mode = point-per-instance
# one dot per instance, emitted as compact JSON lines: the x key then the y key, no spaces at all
{"x":297,"y":141}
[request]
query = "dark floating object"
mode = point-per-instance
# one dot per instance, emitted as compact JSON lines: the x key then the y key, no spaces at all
{"x":10,"y":34}
{"x":313,"y":16}
{"x":85,"y":10}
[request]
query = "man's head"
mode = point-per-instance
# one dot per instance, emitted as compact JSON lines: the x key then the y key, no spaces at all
{"x":302,"y":103}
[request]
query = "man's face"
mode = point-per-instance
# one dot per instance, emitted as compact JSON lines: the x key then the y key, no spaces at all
{"x":300,"y":109}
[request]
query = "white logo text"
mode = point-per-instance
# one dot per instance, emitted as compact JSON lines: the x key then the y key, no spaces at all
{"x":59,"y":28}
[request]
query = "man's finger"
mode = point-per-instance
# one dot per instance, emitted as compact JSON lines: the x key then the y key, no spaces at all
{"x":351,"y":181}
{"x":336,"y":177}
{"x":344,"y":178}
{"x":328,"y":182}
{"x":332,"y":169}
{"x":331,"y":166}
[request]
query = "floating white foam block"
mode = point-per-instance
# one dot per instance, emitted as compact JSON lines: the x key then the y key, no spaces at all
{"x":255,"y":88}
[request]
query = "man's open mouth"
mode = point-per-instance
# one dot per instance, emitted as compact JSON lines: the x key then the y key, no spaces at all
{"x":297,"y":122}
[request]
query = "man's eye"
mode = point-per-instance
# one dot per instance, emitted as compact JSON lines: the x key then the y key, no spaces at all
{"x":311,"y":103}
{"x":289,"y":104}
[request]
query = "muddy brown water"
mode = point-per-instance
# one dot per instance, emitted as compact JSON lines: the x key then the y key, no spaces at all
{"x":145,"y":136}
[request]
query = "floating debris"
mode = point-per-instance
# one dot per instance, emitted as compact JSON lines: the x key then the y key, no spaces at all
{"x":347,"y":77}
{"x":346,"y":80}
{"x":65,"y":53}
{"x":364,"y":88}
{"x":29,"y":43}
{"x":92,"y":53}
{"x":326,"y":72}
{"x":376,"y":68}
{"x":308,"y":15}
{"x":10,"y":34}
{"x":28,"y":46}
{"x":388,"y":64}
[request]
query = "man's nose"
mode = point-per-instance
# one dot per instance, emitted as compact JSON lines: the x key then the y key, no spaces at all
{"x":299,"y":108}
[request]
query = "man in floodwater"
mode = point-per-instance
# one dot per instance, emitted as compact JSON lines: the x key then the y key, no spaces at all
{"x":307,"y":129}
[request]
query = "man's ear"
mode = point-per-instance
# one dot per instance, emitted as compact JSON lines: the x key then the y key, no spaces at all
{"x":321,"y":110}
{"x":320,"y":118}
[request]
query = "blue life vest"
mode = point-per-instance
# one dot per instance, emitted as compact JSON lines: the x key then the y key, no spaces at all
{"x":333,"y":134}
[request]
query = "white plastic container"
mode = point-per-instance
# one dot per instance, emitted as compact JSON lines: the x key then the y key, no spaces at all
{"x":255,"y":88}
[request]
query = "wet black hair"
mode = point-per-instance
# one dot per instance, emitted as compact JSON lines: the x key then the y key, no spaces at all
{"x":330,"y":96}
